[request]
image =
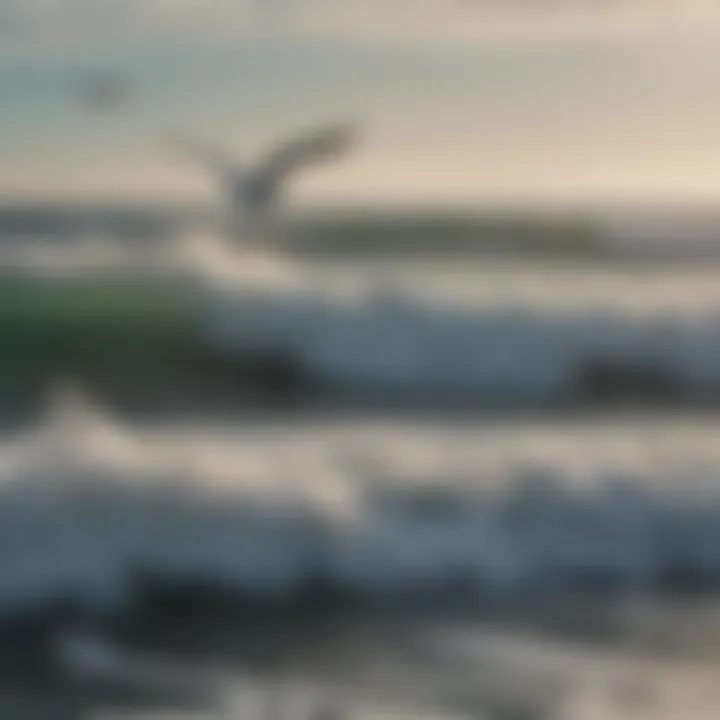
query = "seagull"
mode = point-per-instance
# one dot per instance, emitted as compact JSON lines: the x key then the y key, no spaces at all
{"x":105,"y":91}
{"x":254,"y":191}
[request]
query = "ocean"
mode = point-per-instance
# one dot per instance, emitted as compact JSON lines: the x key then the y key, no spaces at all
{"x":192,"y":312}
{"x":244,"y":480}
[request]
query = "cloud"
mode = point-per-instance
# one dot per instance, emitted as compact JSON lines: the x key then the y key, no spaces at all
{"x":40,"y":23}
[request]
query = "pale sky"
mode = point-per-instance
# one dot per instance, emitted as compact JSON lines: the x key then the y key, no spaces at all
{"x":561,"y":100}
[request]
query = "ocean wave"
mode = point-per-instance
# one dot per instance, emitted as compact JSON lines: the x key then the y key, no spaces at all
{"x":497,"y":333}
{"x":493,"y":332}
{"x":90,"y":511}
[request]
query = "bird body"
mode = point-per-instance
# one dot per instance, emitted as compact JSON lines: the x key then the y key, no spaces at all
{"x":253,"y":193}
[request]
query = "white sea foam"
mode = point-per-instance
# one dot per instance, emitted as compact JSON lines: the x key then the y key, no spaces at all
{"x":489,"y":332}
{"x":372,"y":507}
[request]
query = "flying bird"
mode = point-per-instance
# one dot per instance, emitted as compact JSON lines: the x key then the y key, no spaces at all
{"x":105,"y":92}
{"x":254,"y":191}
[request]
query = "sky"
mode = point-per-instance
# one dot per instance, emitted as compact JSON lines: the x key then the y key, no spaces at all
{"x":457,"y":100}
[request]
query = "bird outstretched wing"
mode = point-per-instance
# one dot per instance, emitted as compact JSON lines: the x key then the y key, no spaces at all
{"x":325,"y":143}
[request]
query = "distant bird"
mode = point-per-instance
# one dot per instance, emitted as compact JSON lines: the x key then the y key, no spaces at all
{"x":254,"y":192}
{"x":104,"y":91}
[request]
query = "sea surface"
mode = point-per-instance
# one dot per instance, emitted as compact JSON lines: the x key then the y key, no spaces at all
{"x":365,"y":565}
{"x":244,"y":481}
{"x":479,"y":332}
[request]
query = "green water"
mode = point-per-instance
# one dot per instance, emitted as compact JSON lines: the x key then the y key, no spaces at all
{"x":44,"y":321}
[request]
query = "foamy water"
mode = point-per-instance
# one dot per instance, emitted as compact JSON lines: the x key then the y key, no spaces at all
{"x":373,"y":506}
{"x":378,"y":507}
{"x":502,"y":332}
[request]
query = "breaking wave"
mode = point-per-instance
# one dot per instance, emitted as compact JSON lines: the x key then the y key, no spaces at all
{"x":500,"y":332}
{"x":87,"y":509}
